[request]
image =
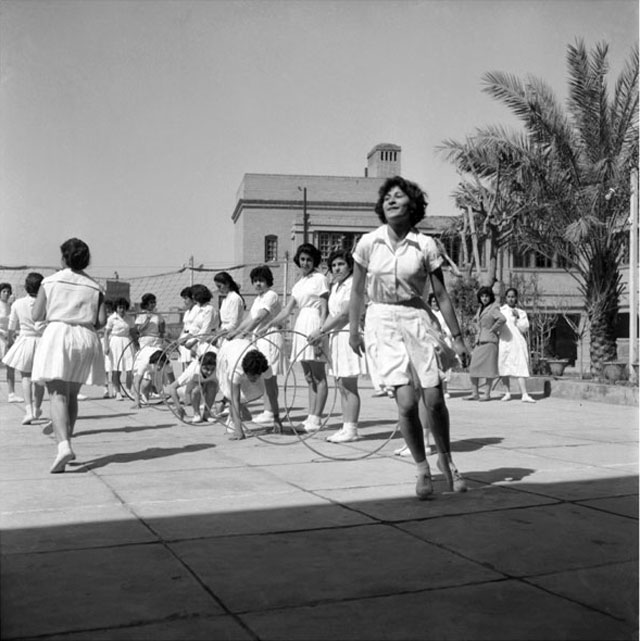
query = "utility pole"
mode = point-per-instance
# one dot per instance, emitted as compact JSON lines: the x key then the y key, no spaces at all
{"x":190,"y":271}
{"x":305,"y":218}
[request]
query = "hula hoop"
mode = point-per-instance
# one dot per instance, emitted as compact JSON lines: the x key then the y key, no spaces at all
{"x":351,"y":444}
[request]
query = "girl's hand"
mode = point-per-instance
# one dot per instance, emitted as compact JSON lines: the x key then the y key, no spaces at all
{"x":314,"y":337}
{"x":356,"y":342}
{"x":462,"y":351}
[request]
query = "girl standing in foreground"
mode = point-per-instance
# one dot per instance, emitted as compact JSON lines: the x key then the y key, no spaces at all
{"x":309,"y":294}
{"x":69,"y":353}
{"x":345,"y":365}
{"x":401,"y":335}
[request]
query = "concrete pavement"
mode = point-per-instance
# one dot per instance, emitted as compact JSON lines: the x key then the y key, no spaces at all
{"x":166,"y":531}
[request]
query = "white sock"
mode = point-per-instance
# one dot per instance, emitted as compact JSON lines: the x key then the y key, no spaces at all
{"x":313,"y":419}
{"x":268,"y":413}
{"x":351,"y":427}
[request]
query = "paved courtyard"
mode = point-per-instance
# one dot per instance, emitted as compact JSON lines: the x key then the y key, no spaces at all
{"x":162,"y":530}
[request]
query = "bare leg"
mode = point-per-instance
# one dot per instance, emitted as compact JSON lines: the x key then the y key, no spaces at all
{"x":487,"y":395}
{"x":438,"y":421}
{"x":11,"y":380}
{"x":28,"y":400}
{"x":474,"y":389}
{"x":60,"y":392}
{"x":74,"y":389}
{"x":350,"y":398}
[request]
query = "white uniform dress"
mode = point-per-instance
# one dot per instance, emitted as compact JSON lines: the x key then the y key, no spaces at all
{"x":231,"y":311}
{"x":308,"y":292}
{"x":70,"y":348}
{"x":272,"y":343}
{"x":5,"y":311}
{"x":401,"y":334}
{"x":187,"y":321}
{"x":344,"y":361}
{"x":121,"y":351}
{"x":205,"y":322}
{"x":21,"y":353}
{"x":150,"y":339}
{"x":513,"y":351}
{"x":229,"y":370}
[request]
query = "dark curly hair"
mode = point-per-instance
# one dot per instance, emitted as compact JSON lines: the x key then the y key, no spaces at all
{"x":341,"y":253}
{"x":147,"y":300}
{"x":201,"y":294}
{"x":417,"y":199}
{"x":121,"y":302}
{"x":6,"y":286}
{"x":185,"y":292}
{"x":32,"y":283}
{"x":75,"y":253}
{"x":262,"y":272}
{"x":489,"y":292}
{"x":254,"y":363}
{"x":310,"y":250}
{"x":159,"y":357}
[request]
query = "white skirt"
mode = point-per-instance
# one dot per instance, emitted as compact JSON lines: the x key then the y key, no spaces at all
{"x":403,"y":348}
{"x":70,"y":353}
{"x":344,"y":361}
{"x":308,"y":321}
{"x":21,"y":354}
{"x":121,"y":354}
{"x":272,"y":346}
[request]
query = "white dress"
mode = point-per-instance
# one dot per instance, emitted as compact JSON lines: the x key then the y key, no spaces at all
{"x":5,"y":311}
{"x":149,"y":339}
{"x":187,"y":321}
{"x":231,"y":311}
{"x":308,"y":292}
{"x":70,"y":348}
{"x":21,"y":353}
{"x":121,"y":351}
{"x":344,"y":361}
{"x":513,"y":351}
{"x":204,"y":323}
{"x":272,"y":343}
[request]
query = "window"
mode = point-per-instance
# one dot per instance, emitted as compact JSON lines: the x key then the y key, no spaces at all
{"x":329,"y":241}
{"x":270,"y":248}
{"x":521,"y":259}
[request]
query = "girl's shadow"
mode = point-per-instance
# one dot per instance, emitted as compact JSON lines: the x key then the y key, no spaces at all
{"x":144,"y":455}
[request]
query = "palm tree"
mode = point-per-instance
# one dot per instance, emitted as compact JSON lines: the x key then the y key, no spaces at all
{"x":563,"y":183}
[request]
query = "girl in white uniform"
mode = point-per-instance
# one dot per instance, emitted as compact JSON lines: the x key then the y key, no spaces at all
{"x":69,"y":353}
{"x":266,"y":306}
{"x":513,"y":351}
{"x":401,"y":335}
{"x":21,"y":353}
{"x":232,"y":307}
{"x":5,"y":310}
{"x":189,"y":314}
{"x":204,"y":322}
{"x":345,"y":365}
{"x":118,"y":336}
{"x":310,"y":295}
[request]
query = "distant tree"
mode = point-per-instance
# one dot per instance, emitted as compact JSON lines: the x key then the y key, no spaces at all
{"x":561,"y":186}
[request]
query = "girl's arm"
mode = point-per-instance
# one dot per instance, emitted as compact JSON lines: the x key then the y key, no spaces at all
{"x":356,"y":307}
{"x":284,"y":314}
{"x":234,"y":410}
{"x":248,"y":324}
{"x":102,"y":315}
{"x":39,"y":309}
{"x":449,"y":315}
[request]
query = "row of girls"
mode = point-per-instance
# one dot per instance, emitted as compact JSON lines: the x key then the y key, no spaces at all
{"x":392,"y":266}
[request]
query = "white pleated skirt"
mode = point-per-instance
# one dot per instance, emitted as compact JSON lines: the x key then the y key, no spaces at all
{"x":121,"y":354}
{"x":70,"y":353}
{"x":308,"y":321}
{"x":344,"y":361}
{"x":272,"y":346}
{"x":21,"y":354}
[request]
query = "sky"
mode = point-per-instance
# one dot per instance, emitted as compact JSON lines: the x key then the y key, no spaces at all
{"x":130,"y":124}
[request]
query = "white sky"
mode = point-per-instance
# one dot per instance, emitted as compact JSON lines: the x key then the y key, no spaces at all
{"x":131,"y":124}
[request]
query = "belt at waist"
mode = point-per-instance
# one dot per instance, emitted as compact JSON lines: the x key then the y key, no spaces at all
{"x":417,"y":303}
{"x":487,"y":343}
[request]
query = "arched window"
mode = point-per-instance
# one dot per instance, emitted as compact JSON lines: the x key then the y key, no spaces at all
{"x":270,"y":248}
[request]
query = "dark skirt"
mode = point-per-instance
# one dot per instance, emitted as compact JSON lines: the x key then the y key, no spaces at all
{"x":484,"y":361}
